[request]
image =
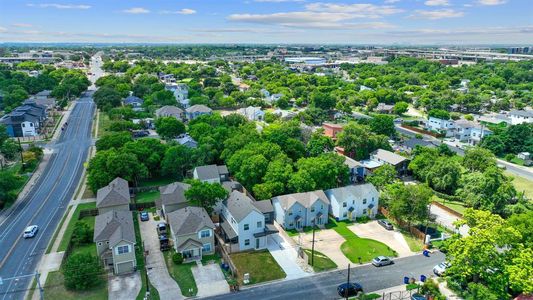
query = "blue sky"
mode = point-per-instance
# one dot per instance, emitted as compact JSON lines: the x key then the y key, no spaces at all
{"x":269,"y":21}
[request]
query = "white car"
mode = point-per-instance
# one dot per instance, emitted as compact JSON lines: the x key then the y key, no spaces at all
{"x":30,"y":231}
{"x":440,"y":269}
{"x":382,"y":261}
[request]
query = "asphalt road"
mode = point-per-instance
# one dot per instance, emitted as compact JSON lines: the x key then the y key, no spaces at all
{"x":45,"y":203}
{"x":324,"y":286}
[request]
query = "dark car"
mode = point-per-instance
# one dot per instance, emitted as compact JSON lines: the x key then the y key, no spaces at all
{"x":349,"y":289}
{"x":144,"y":216}
{"x":386,"y":224}
{"x":164,"y":244}
{"x":417,"y":297}
{"x":162,"y":228}
{"x":140,"y":133}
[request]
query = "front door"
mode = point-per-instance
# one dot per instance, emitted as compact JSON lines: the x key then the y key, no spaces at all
{"x":319,"y":221}
{"x":257,"y":243}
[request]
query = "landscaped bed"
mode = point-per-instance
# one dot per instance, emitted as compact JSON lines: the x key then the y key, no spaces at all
{"x":320,"y":262}
{"x":182,"y":274}
{"x":259,"y":264}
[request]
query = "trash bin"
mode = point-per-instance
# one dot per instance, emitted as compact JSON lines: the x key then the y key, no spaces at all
{"x":426,"y":253}
{"x":406,"y":280}
{"x":423,"y":278}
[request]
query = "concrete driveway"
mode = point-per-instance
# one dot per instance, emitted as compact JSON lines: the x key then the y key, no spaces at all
{"x":327,"y":241}
{"x":393,"y":239}
{"x":209,"y":280}
{"x":446,"y":219}
{"x":285,"y":254}
{"x":124,"y":287}
{"x":155,"y":263}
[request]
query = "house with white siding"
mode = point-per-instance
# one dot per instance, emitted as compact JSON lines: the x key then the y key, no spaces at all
{"x":353,"y":201}
{"x":296,"y":211}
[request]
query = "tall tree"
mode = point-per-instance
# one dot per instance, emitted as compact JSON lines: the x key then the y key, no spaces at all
{"x":205,"y":194}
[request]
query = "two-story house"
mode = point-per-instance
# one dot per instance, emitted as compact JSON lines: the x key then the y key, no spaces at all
{"x":135,"y":102}
{"x":353,"y":201}
{"x":296,"y":211}
{"x":440,"y":125}
{"x":211,"y":173}
{"x":170,"y":111}
{"x":357,"y":171}
{"x":192,"y":232}
{"x":197,"y":110}
{"x":242,"y":224}
{"x":252,"y":113}
{"x":114,"y":236}
{"x":521,"y":116}
{"x":386,"y":157}
{"x":114,"y":196}
{"x":172,"y":197}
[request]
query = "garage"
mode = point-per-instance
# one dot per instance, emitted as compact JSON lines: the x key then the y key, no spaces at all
{"x":124,"y":267}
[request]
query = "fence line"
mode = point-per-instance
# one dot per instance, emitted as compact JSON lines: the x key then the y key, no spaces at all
{"x":413,"y":230}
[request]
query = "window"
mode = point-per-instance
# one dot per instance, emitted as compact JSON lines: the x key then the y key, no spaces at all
{"x":99,"y":243}
{"x":259,"y":224}
{"x":291,"y":224}
{"x":364,"y":201}
{"x":372,"y":199}
{"x":364,"y":211}
{"x":123,"y":249}
{"x":206,"y":247}
{"x":353,"y":201}
{"x":233,"y":220}
{"x":205,"y":233}
{"x":290,"y":213}
{"x":343,"y":204}
{"x":247,"y":242}
{"x":344,"y":214}
{"x":23,"y":125}
{"x":246,"y":226}
{"x":312,"y":209}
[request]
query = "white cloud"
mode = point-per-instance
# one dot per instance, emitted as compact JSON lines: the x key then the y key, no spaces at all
{"x":136,"y":10}
{"x":183,"y":11}
{"x":22,"y":25}
{"x":390,"y":1}
{"x":437,"y":2}
{"x":2,"y":29}
{"x":359,"y":10}
{"x":436,"y":14}
{"x":59,"y":6}
{"x":491,"y":2}
{"x":278,"y":1}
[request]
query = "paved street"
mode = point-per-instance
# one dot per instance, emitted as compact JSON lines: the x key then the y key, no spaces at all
{"x":45,"y":204}
{"x":324,"y":286}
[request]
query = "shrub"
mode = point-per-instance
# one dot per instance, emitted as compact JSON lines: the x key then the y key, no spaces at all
{"x":82,"y":233}
{"x":177,"y":258}
{"x":82,"y":271}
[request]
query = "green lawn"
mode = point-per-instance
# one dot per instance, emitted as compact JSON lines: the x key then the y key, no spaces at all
{"x":70,"y":227}
{"x":454,"y":205}
{"x":182,"y":274}
{"x":148,"y":196}
{"x":294,"y":232}
{"x":321,"y":261}
{"x":522,"y":184}
{"x":355,"y":247}
{"x":103,"y":124}
{"x":206,"y":259}
{"x":259,"y":264}
{"x":156,"y":181}
{"x":55,"y":289}
{"x":415,"y":244}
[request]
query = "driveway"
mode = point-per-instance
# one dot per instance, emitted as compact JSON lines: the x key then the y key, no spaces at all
{"x":209,"y":280}
{"x":393,"y":239}
{"x":155,"y":263}
{"x":124,"y":287}
{"x":446,"y":219}
{"x":286,"y":256}
{"x":327,"y":241}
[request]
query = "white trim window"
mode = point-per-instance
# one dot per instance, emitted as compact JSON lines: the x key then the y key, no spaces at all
{"x":122,"y":249}
{"x":205,"y":233}
{"x":246,"y":242}
{"x":206,"y":247}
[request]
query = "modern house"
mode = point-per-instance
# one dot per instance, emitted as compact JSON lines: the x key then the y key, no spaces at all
{"x":113,"y":197}
{"x":521,"y":116}
{"x":357,"y":170}
{"x":266,"y":208}
{"x":192,"y":232}
{"x":172,"y":197}
{"x":180,"y":92}
{"x":197,"y":110}
{"x":275,"y":97}
{"x":170,"y":111}
{"x":470,"y":132}
{"x":252,"y":113}
{"x":440,"y":125}
{"x":135,"y":102}
{"x":114,"y":236}
{"x":242,"y":224}
{"x":25,"y":120}
{"x":211,"y":173}
{"x":391,"y":158}
{"x":43,"y":98}
{"x":296,"y":211}
{"x":186,"y":140}
{"x":332,"y":130}
{"x":353,"y":201}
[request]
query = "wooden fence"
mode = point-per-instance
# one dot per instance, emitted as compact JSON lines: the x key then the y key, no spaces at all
{"x":413,"y":230}
{"x":225,"y":255}
{"x":422,"y":131}
{"x":141,"y":206}
{"x":88,"y":213}
{"x":446,"y":208}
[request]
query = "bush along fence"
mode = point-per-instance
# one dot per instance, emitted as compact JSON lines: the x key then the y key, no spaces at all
{"x":413,"y":230}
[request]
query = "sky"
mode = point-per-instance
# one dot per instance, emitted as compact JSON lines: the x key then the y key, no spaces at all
{"x":425,"y":22}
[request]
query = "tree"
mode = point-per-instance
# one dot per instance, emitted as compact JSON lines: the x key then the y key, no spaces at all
{"x":383,"y":176}
{"x":408,"y":202}
{"x":10,"y":149}
{"x":358,"y":141}
{"x":319,"y":143}
{"x":493,"y":143}
{"x":205,"y":194}
{"x":82,"y":271}
{"x":400,"y":107}
{"x":113,"y":140}
{"x":478,"y":159}
{"x":169,"y":127}
{"x":8,"y":183}
{"x":106,"y":98}
{"x":82,"y":233}
{"x":177,"y":160}
{"x":439,"y":114}
{"x":383,"y":124}
{"x":444,"y":175}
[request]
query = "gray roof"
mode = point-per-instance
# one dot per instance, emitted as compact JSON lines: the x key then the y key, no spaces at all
{"x":352,"y":163}
{"x":352,"y":191}
{"x":173,"y":193}
{"x":211,"y":171}
{"x":199,"y":108}
{"x":189,"y":220}
{"x":305,"y":199}
{"x":265,"y":206}
{"x":389,"y":157}
{"x":412,"y":143}
{"x":522,"y":113}
{"x":133,"y":99}
{"x":44,"y":93}
{"x":117,"y":192}
{"x":169,"y":110}
{"x":240,"y":205}
{"x":114,"y":226}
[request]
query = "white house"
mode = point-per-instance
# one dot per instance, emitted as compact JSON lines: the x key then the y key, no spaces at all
{"x":440,"y":125}
{"x":353,"y":201}
{"x":252,"y":113}
{"x":211,"y":173}
{"x":301,"y":209}
{"x":181,"y":93}
{"x":521,"y":116}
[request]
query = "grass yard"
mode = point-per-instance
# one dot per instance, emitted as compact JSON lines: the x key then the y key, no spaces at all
{"x":156,"y":181}
{"x":148,"y":196}
{"x":103,"y":124}
{"x":70,"y":227}
{"x":259,"y":264}
{"x":355,"y":247}
{"x":55,"y":289}
{"x":182,"y":274}
{"x":321,"y":261}
{"x":206,"y":259}
{"x":415,"y":244}
{"x":455,"y":205}
{"x":294,"y":232}
{"x":522,"y":184}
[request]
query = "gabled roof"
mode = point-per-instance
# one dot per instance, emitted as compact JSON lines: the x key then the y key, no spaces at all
{"x":388,"y":157}
{"x":189,"y":220}
{"x":240,"y":205}
{"x":211,"y":171}
{"x":412,"y":143}
{"x":352,"y":191}
{"x":114,"y":226}
{"x":352,"y":163}
{"x":265,"y":206}
{"x":133,"y":99}
{"x":173,"y":193}
{"x":169,"y":110}
{"x":522,"y":113}
{"x":306,"y":199}
{"x":117,"y":192}
{"x":199,"y":108}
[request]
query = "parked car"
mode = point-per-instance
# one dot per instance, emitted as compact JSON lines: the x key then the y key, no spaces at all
{"x":349,"y":289}
{"x":417,"y":297}
{"x":386,"y":224}
{"x":140,"y":133}
{"x":144,"y":216}
{"x":381,"y":261}
{"x":162,"y":228}
{"x":30,"y":231}
{"x":440,"y":269}
{"x":164,"y":244}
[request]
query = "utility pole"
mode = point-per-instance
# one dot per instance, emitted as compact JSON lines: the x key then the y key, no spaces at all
{"x":348,"y":283}
{"x":313,"y":247}
{"x":21,"y":156}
